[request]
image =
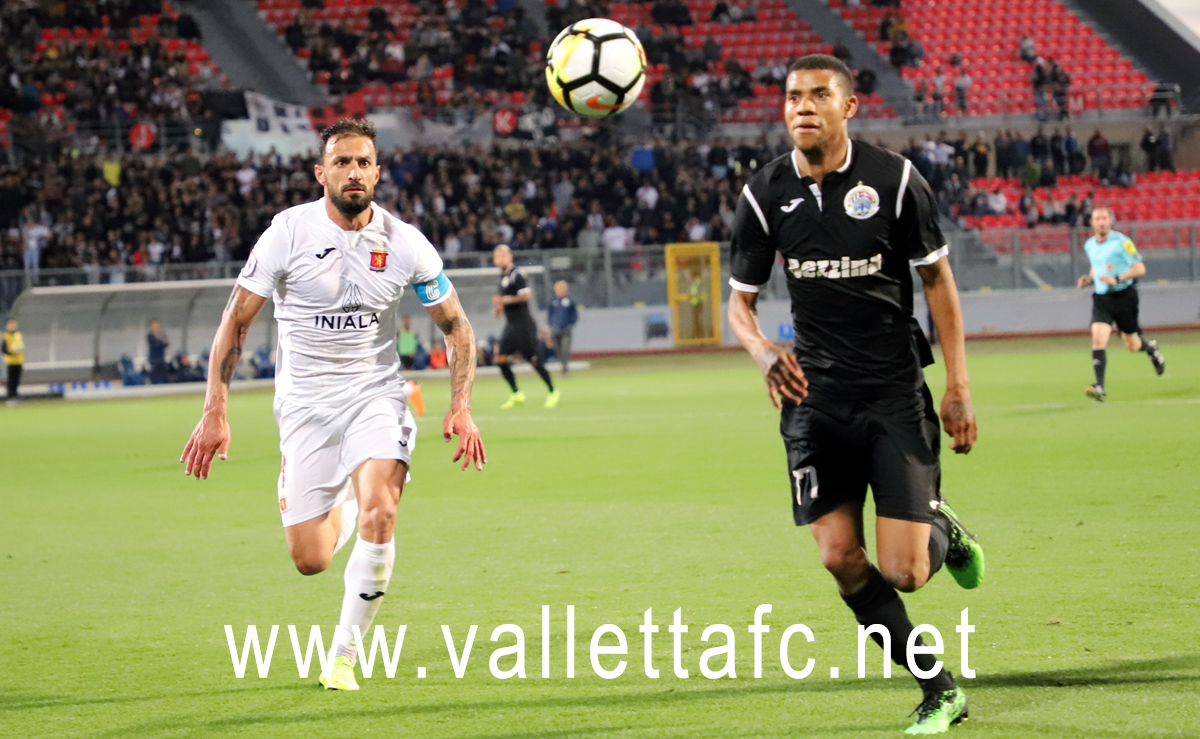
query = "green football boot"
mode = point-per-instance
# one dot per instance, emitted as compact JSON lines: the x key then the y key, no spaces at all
{"x":964,"y":557}
{"x":552,"y":399}
{"x":341,"y":676}
{"x":938,"y":711}
{"x":517,"y":398}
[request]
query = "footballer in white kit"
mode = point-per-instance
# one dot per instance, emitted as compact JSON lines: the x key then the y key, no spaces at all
{"x":336,"y":269}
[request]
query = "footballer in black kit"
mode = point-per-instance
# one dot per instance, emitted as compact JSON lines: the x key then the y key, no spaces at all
{"x":849,"y":220}
{"x":520,"y":336}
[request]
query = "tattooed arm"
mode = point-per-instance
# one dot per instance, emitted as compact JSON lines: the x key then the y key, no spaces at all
{"x":211,"y":436}
{"x":460,"y":343}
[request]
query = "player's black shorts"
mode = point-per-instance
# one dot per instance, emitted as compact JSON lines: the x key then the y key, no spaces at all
{"x":520,"y":339}
{"x":1120,"y":308}
{"x":835,"y":451}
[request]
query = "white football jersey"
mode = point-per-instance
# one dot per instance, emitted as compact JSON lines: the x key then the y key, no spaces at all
{"x":335,"y":296}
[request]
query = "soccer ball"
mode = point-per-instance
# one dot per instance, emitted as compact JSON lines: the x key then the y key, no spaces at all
{"x":596,"y":68}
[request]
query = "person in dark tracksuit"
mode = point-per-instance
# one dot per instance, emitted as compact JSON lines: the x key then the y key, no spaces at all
{"x":562,"y":315}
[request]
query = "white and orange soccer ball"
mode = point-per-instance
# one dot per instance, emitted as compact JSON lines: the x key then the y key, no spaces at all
{"x":596,"y":68}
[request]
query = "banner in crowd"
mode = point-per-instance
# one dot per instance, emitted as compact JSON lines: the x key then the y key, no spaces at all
{"x":286,"y":127}
{"x":532,"y":125}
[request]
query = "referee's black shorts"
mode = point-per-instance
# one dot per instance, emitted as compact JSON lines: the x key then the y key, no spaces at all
{"x":1120,"y":307}
{"x":834,"y":452}
{"x":520,"y":339}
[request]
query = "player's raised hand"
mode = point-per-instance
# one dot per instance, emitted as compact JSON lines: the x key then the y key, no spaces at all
{"x":958,"y":418}
{"x":210,"y":439}
{"x":785,"y":379}
{"x":470,"y":444}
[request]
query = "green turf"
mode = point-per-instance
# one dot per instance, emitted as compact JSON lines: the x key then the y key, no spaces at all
{"x":657,"y":483}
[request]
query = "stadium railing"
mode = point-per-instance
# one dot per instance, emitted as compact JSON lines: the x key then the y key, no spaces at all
{"x":996,"y":259}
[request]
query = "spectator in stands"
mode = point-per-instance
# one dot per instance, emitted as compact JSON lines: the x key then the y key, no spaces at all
{"x":1149,"y":147}
{"x":916,"y":52}
{"x":1019,"y":151}
{"x":1031,"y":173}
{"x":938,"y":92}
{"x":36,"y":235}
{"x":1003,"y":148}
{"x":1058,"y":152}
{"x":1076,"y":162}
{"x":1051,"y":211}
{"x":841,"y":51}
{"x":1059,"y":83}
{"x":921,"y":97}
{"x":1049,"y":178}
{"x":1027,"y":49}
{"x":865,"y":82}
{"x":1028,"y":207}
{"x":1099,"y":153}
{"x":1163,"y":98}
{"x":980,"y":152}
{"x":1071,"y":211}
{"x":1039,"y":145}
{"x":885,"y":27}
{"x":997,"y":203}
{"x":898,"y":56}
{"x":1039,"y":78}
{"x":156,"y":354}
{"x":1166,"y":159}
{"x":962,"y":84}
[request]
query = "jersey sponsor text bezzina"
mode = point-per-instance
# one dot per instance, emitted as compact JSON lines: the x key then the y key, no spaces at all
{"x":847,"y":248}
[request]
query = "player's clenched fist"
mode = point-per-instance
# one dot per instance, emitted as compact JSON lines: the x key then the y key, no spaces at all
{"x":210,"y":438}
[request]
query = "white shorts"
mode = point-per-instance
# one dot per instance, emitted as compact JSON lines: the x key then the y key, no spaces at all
{"x":321,"y":446}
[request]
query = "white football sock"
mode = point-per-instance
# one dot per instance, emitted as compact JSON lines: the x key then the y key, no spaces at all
{"x":349,"y":522}
{"x":367,"y":574}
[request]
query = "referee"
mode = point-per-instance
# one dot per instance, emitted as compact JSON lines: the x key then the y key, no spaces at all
{"x":12,"y":346}
{"x":1116,"y":265}
{"x":520,"y":334}
{"x":849,"y":219}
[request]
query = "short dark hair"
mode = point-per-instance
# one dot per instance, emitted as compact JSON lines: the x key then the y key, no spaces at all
{"x":828,"y":63}
{"x":347,"y":127}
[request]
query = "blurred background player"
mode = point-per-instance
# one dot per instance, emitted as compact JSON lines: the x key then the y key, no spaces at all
{"x":336,"y":268}
{"x":562,"y":315}
{"x":12,"y":344}
{"x":1116,"y":266}
{"x":850,"y":220}
{"x":520,"y":334}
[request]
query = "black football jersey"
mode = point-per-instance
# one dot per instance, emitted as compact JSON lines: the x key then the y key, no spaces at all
{"x":514,"y":283}
{"x":847,"y":247}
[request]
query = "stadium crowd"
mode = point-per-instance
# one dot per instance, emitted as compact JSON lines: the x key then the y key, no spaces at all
{"x":99,"y":67}
{"x":136,"y":212}
{"x":479,"y":49}
{"x":129,"y":215}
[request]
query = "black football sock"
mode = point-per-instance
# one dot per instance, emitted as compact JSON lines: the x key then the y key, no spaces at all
{"x":1145,"y":343}
{"x":939,"y":542}
{"x":879,"y":603}
{"x":509,"y":377}
{"x":1099,"y":362}
{"x":540,"y":368}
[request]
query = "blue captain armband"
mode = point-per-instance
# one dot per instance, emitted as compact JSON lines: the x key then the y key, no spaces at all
{"x":434,"y":291}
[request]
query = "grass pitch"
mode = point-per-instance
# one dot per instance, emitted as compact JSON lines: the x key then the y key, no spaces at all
{"x":658,"y":483}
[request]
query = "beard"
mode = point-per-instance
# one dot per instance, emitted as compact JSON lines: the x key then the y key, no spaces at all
{"x":815,"y":155}
{"x":352,"y":206}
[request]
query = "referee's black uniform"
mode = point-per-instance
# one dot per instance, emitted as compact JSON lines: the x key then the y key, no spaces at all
{"x":520,"y":330}
{"x":847,"y":247}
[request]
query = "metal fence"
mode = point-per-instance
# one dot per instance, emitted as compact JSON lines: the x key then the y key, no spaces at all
{"x":1044,"y":257}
